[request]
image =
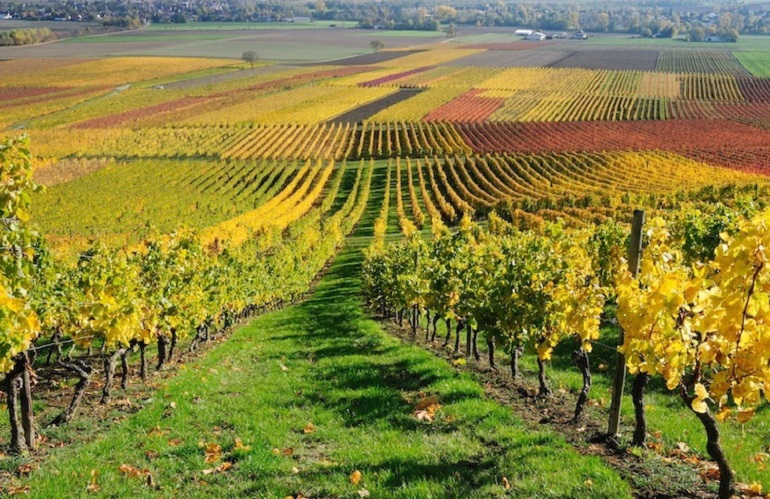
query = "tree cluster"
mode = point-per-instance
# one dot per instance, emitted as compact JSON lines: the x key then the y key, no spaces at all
{"x":28,"y":36}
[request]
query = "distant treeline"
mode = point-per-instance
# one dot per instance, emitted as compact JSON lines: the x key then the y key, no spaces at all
{"x":648,"y":18}
{"x":26,"y":36}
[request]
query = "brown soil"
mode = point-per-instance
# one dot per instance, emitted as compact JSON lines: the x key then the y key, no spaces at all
{"x":373,"y":58}
{"x":361,"y":113}
{"x":622,"y":60}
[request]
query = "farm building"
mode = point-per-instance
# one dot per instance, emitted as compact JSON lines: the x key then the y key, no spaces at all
{"x":536,"y":37}
{"x":523,"y":32}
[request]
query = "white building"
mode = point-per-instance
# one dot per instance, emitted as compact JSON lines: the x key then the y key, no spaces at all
{"x":523,"y":32}
{"x":536,"y":37}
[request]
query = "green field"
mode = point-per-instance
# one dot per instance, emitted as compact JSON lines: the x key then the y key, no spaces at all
{"x":205,"y":26}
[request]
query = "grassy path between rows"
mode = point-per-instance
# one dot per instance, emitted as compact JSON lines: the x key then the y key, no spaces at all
{"x":323,"y":362}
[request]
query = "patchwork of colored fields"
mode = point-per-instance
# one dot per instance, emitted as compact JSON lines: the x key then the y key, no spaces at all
{"x":281,"y":156}
{"x":162,"y":117}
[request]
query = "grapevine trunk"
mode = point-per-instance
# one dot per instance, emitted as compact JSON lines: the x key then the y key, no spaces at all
{"x":637,"y":395}
{"x":83,"y":371}
{"x":581,"y":359}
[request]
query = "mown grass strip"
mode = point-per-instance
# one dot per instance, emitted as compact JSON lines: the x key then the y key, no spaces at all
{"x":324,"y":362}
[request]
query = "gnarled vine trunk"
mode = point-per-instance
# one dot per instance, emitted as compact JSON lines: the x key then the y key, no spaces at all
{"x":143,"y":360}
{"x":83,"y":372}
{"x":714,"y":447}
{"x":491,"y":351}
{"x":515,"y":356}
{"x":174,"y":338}
{"x":11,"y":385}
{"x":25,"y":400}
{"x":162,"y":352}
{"x":109,"y":371}
{"x":581,"y":359}
{"x":124,"y":369}
{"x":637,"y":395}
{"x":448,"y":323}
{"x":468,"y":340}
{"x":460,"y":325}
{"x":544,"y":391}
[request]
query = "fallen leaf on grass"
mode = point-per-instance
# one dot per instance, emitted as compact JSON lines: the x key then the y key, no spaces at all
{"x":17,"y":491}
{"x":213,"y":452}
{"x":424,"y":416}
{"x":276,"y":451}
{"x":355,"y":477}
{"x":295,"y":470}
{"x":151,"y":454}
{"x":240,"y":447}
{"x":709,"y":471}
{"x":25,"y":469}
{"x":759,"y":460}
{"x":283,"y":367}
{"x":589,"y":483}
{"x":459,"y":362}
{"x":750,"y":490}
{"x":157,"y":431}
{"x":310,"y":428}
{"x":425,"y":410}
{"x":683,"y":447}
{"x":219,"y":469}
{"x":175,"y":442}
{"x":655,"y":446}
{"x":363,"y":493}
{"x":506,"y":483}
{"x":92,"y":485}
{"x":131,"y":472}
{"x":288,"y":451}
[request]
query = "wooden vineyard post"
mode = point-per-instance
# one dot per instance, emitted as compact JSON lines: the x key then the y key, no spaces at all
{"x":634,"y":258}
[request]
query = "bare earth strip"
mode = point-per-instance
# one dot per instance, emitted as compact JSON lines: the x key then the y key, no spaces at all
{"x":366,"y":111}
{"x":373,"y":58}
{"x":512,"y":58}
{"x":638,"y":60}
{"x":221,"y":78}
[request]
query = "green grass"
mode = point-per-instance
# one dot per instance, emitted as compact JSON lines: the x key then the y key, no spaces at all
{"x":247,"y":25}
{"x":757,"y":63}
{"x":282,"y":51}
{"x":402,"y":34}
{"x":358,"y":386}
{"x":485,"y":38}
{"x":668,"y":420}
{"x":666,"y":413}
{"x":141,"y":37}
